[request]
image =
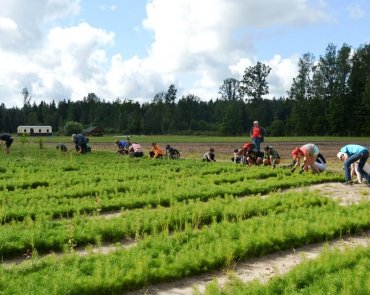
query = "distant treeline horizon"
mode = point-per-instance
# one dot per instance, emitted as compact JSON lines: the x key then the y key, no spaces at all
{"x":329,"y":96}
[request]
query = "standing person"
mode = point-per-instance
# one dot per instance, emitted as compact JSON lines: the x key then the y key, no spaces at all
{"x":257,"y":134}
{"x":81,"y":143}
{"x":271,"y":157}
{"x":308,"y":153}
{"x":209,"y":156}
{"x":8,"y":141}
{"x":156,"y":151}
{"x":135,"y":150}
{"x":351,"y":153}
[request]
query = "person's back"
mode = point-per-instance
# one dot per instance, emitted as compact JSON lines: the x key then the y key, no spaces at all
{"x":210,"y":156}
{"x":171,"y":152}
{"x":62,"y":147}
{"x":80,"y":142}
{"x":156,"y":151}
{"x":136,"y":150}
{"x":8,"y":141}
{"x":123,"y":146}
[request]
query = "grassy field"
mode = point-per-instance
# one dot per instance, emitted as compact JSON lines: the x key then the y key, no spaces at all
{"x":182,"y":218}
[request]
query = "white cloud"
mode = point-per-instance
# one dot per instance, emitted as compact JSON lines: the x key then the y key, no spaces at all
{"x":7,"y":24}
{"x":194,"y":46}
{"x":283,"y":70}
{"x":30,"y":16}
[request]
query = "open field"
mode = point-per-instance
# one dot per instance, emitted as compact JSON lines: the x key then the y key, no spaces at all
{"x":107,"y":224}
{"x":196,"y":146}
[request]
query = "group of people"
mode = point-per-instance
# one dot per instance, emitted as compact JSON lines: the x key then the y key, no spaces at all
{"x":125,"y":147}
{"x":81,"y":142}
{"x":249,"y":154}
{"x":305,"y":157}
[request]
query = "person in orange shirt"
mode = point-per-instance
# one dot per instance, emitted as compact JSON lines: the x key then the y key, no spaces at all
{"x":156,"y":151}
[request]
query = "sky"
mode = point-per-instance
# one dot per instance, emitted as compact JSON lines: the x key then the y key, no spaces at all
{"x":134,"y":49}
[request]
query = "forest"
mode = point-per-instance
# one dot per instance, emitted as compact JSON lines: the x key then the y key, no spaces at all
{"x":330,"y":96}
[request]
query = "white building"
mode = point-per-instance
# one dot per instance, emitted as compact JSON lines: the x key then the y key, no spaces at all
{"x":35,"y":130}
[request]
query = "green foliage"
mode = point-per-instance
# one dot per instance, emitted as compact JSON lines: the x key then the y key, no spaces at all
{"x":72,"y":127}
{"x":334,"y":272}
{"x":253,"y":84}
{"x":184,"y":217}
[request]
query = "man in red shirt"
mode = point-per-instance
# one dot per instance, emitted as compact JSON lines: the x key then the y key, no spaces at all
{"x":257,"y":133}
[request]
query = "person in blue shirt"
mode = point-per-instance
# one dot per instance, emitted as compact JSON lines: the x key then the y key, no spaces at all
{"x":123,"y":146}
{"x":350,"y":154}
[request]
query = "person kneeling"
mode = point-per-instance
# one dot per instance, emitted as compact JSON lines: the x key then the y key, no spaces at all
{"x":135,"y":150}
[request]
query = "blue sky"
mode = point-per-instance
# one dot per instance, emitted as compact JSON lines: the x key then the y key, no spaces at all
{"x":65,"y":49}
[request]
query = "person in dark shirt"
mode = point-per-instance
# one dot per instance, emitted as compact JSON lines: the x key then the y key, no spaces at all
{"x":62,"y":147}
{"x":80,"y":142}
{"x":209,"y":156}
{"x":8,"y":141}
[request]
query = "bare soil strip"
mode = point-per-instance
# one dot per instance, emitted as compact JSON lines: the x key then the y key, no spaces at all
{"x":105,"y":248}
{"x":343,"y":194}
{"x":263,"y":268}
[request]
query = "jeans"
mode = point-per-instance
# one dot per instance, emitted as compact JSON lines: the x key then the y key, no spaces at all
{"x":257,"y":143}
{"x":363,"y":156}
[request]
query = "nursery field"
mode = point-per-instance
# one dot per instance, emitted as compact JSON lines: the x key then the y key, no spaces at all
{"x":107,"y":224}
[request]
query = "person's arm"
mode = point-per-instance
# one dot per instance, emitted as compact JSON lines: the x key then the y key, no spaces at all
{"x":156,"y":153}
{"x":297,"y":163}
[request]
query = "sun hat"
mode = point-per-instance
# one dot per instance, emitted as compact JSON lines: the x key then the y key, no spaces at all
{"x":340,"y":154}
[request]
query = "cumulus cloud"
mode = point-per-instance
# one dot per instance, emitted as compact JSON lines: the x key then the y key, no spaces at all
{"x":194,"y":46}
{"x":29,"y":17}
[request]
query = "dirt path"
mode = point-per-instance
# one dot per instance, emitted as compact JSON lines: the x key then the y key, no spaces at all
{"x":264,"y":268}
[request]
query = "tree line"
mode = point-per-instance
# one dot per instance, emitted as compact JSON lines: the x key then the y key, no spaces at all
{"x":329,"y":96}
